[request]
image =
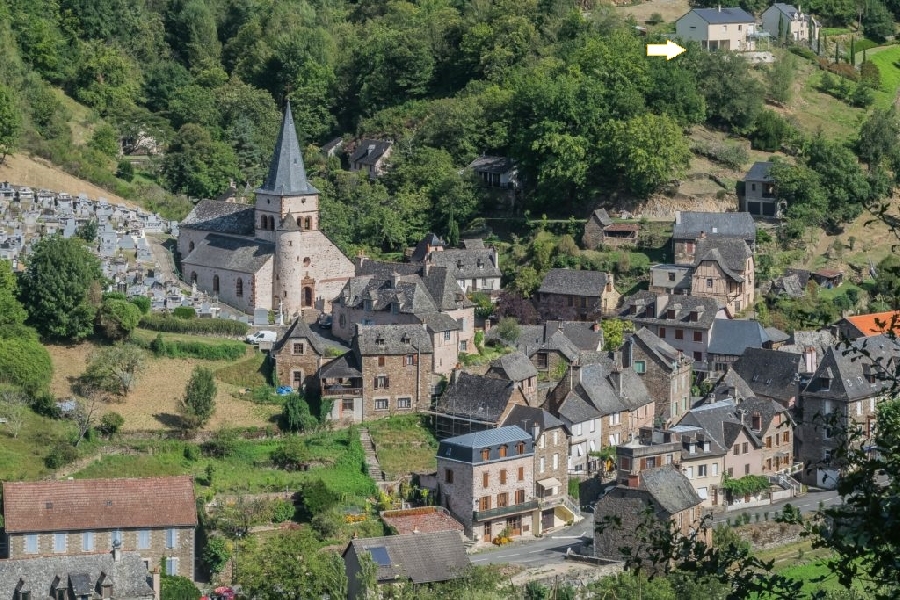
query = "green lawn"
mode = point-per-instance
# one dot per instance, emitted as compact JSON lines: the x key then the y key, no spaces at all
{"x":890,"y":73}
{"x":337,"y":459}
{"x":22,"y":458}
{"x":832,"y":31}
{"x":250,"y":373}
{"x":816,"y":110}
{"x":403,"y":445}
{"x":145,"y":335}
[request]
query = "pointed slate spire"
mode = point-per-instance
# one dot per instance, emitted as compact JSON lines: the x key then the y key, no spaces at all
{"x":287,"y":174}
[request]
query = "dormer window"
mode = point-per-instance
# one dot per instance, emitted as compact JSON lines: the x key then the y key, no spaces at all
{"x":405,"y":339}
{"x":480,"y":264}
{"x":520,"y":447}
{"x":694,"y":315}
{"x":503,"y":450}
{"x":459,"y":264}
{"x":670,"y":314}
{"x":756,"y":422}
{"x":395,"y":308}
{"x":379,"y":341}
{"x":367,"y":305}
{"x":485,"y":453}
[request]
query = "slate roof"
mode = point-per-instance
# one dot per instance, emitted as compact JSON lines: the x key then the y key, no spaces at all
{"x":492,"y":164}
{"x":408,"y":291}
{"x":582,"y":334}
{"x":566,"y":337}
{"x":287,"y":174}
{"x":421,"y":250}
{"x":39,"y":573}
{"x":438,"y":321}
{"x":670,"y":488}
{"x":445,"y":292}
{"x":463,"y":264}
{"x":821,"y":341}
{"x":383,"y":269}
{"x":788,"y":10}
{"x":718,"y":420}
{"x":648,"y":305}
{"x":220,"y":217}
{"x":731,"y":254}
{"x":515,"y":366}
{"x":230,"y":254}
{"x":770,"y":373}
{"x":392,"y":339}
{"x":476,"y":397}
{"x":601,"y":216}
{"x":734,"y":336}
{"x":849,"y":369}
{"x":575,"y":409}
{"x":344,"y":366}
{"x":731,"y":385}
{"x":654,"y":346}
{"x":724,"y":15}
{"x":489,"y":438}
{"x":609,"y":393}
{"x":369,"y":152}
{"x":767,"y":409}
{"x":301,"y":330}
{"x":735,"y":224}
{"x":417,"y":557}
{"x":759,"y":172}
{"x":92,"y":504}
{"x":527,"y":417}
{"x":570,"y":282}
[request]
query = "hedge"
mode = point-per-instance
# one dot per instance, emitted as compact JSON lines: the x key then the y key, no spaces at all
{"x":223,"y":350}
{"x":170,"y":324}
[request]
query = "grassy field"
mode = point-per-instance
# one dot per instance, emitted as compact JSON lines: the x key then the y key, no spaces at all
{"x":249,"y":373}
{"x":403,"y":445}
{"x":336,"y":459}
{"x":812,"y":110}
{"x":19,"y":169}
{"x":23,"y":457}
{"x":890,"y":73}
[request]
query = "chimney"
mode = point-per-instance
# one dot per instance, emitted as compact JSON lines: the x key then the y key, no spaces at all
{"x":633,"y":481}
{"x":157,"y":589}
{"x":535,"y":432}
{"x":615,"y":376}
{"x":627,"y":351}
{"x":454,"y":375}
{"x":678,"y":217}
{"x":702,"y":235}
{"x":596,"y":327}
{"x":809,"y":359}
{"x":117,"y":552}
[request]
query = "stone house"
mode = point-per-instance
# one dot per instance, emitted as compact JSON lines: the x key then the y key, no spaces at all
{"x":724,"y":270}
{"x":773,"y":424}
{"x":730,"y":338}
{"x":721,"y":28}
{"x":154,"y":517}
{"x":771,"y":374}
{"x":573,"y":295}
{"x":400,"y":560}
{"x":666,"y":372}
{"x":602,"y":404}
{"x":474,"y":403}
{"x":684,"y":322}
{"x":516,"y":367}
{"x":759,"y":189}
{"x":601,"y":231}
{"x":674,"y":280}
{"x":868,"y":325}
{"x":113,"y":575}
{"x":729,"y":427}
{"x":496,"y":171}
{"x":387,"y":372}
{"x":662,"y":495}
{"x":371,"y":156}
{"x":299,"y":355}
{"x":551,"y":446}
{"x":486,"y":481}
{"x":554,"y":345}
{"x":691,"y":226}
{"x":475,"y":266}
{"x":792,"y":22}
{"x":843,"y":392}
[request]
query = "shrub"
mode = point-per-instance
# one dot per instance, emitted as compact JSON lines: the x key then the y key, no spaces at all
{"x":191,"y":453}
{"x":282,"y":510}
{"x":844,"y":70}
{"x":216,"y":554}
{"x":184,"y":312}
{"x":862,"y":96}
{"x":221,"y":445}
{"x":731,"y":155}
{"x":61,"y":454}
{"x":291,"y":454}
{"x":171,"y":324}
{"x":111,"y":422}
{"x":142,"y":302}
{"x":317,"y":498}
{"x":125,"y":170}
{"x":224,"y":350}
{"x":45,"y":405}
{"x":804,"y":52}
{"x":326,"y":524}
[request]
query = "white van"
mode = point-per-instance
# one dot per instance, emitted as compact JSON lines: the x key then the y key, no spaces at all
{"x":261,"y":336}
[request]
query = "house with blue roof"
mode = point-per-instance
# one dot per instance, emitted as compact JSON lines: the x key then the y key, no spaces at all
{"x":790,"y":23}
{"x":486,"y":480}
{"x":720,"y":28}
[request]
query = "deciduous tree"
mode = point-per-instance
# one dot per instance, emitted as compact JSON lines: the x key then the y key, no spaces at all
{"x":10,"y":123}
{"x":199,"y":401}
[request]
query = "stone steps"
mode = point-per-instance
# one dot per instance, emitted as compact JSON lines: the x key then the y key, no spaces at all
{"x":375,"y":471}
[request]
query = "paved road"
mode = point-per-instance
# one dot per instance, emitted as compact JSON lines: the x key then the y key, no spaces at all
{"x":552,"y":549}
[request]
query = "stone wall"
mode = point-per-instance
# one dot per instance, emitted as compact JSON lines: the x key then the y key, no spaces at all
{"x":401,"y":384}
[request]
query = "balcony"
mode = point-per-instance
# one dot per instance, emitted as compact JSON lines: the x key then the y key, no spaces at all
{"x":502,"y":511}
{"x":336,"y":390}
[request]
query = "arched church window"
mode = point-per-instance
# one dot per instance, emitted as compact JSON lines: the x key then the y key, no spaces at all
{"x":307,"y":223}
{"x":190,"y":247}
{"x":306,"y":261}
{"x":307,"y":296}
{"x":299,"y":222}
{"x":193,"y":277}
{"x":239,"y":288}
{"x":216,"y":284}
{"x":263,"y":222}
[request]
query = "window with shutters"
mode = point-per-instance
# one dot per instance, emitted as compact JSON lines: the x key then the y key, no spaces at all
{"x":411,"y":360}
{"x":484,"y":503}
{"x":485,"y":479}
{"x":502,"y":476}
{"x":380,"y":361}
{"x":503,"y":449}
{"x":143,"y":539}
{"x":520,"y":448}
{"x":171,"y":538}
{"x":171,"y":566}
{"x":520,"y":496}
{"x":382,"y":382}
{"x":502,"y":499}
{"x":485,"y":453}
{"x":520,"y":476}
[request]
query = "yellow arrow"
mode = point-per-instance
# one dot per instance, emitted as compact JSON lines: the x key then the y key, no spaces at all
{"x":670,"y":50}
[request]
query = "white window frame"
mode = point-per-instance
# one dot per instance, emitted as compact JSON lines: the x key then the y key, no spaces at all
{"x":640,"y":367}
{"x":171,"y":565}
{"x":171,"y":538}
{"x":31,"y":543}
{"x":144,"y":539}
{"x":555,"y":461}
{"x":541,"y":465}
{"x":405,"y":400}
{"x":59,"y":539}
{"x":87,"y":541}
{"x":382,"y":403}
{"x":715,"y":470}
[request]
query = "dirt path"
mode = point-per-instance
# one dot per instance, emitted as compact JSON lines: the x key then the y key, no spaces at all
{"x":670,"y":10}
{"x":20,"y":169}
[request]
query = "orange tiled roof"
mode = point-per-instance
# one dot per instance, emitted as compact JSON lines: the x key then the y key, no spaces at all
{"x":877,"y":323}
{"x":88,"y":504}
{"x":425,"y":519}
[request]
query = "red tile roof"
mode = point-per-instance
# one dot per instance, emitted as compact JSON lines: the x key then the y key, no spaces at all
{"x":88,"y":504}
{"x":829,"y":273}
{"x":426,"y":519}
{"x":868,"y":326}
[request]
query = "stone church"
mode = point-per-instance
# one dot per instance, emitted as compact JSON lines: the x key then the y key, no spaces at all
{"x":269,"y":255}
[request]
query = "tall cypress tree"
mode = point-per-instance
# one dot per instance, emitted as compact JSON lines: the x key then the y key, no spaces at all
{"x":837,"y":54}
{"x":853,"y":50}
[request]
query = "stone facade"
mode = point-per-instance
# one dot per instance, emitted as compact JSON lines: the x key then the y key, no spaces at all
{"x":667,"y":377}
{"x":390,"y":382}
{"x":711,"y":281}
{"x":297,"y":363}
{"x":184,"y":548}
{"x":550,"y":452}
{"x":244,"y":291}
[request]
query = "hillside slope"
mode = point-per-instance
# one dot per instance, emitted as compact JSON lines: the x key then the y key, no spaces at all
{"x":19,"y":170}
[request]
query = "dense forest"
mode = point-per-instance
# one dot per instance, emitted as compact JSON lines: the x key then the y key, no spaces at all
{"x":564,"y":88}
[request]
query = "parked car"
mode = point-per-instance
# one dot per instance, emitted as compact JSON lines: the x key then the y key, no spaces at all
{"x":262,"y":336}
{"x":325,"y":321}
